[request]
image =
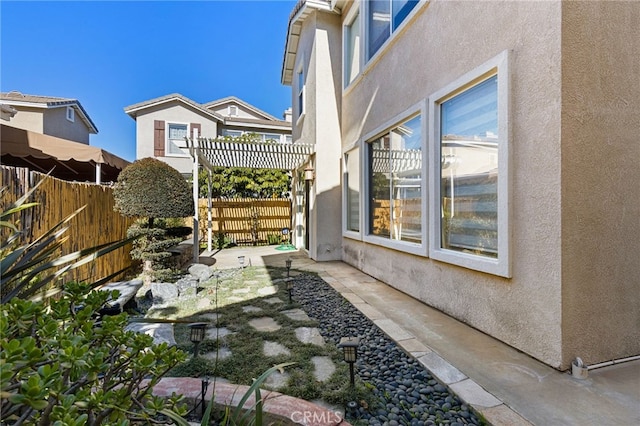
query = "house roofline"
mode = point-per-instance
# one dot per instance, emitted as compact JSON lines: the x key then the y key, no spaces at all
{"x":132,"y":110}
{"x":229,"y":99}
{"x":47,"y":102}
{"x":299,"y":13}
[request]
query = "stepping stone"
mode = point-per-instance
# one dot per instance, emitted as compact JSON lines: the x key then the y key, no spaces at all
{"x":251,"y":282}
{"x":309,"y":335}
{"x":264,"y":324}
{"x":161,"y":332}
{"x":268,"y":290}
{"x":217,"y":333}
{"x":297,"y":314}
{"x":211,"y":316}
{"x":248,"y":309}
{"x":273,"y":300}
{"x":323,"y":368}
{"x":203,"y":303}
{"x":234,"y":299}
{"x":275,"y":349}
{"x":223,"y":353}
{"x":241,"y":290}
{"x":277,"y":380}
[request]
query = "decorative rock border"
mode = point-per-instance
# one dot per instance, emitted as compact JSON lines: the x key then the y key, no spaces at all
{"x":290,"y":410}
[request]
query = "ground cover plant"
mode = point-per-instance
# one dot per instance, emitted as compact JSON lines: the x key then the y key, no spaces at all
{"x":234,"y":350}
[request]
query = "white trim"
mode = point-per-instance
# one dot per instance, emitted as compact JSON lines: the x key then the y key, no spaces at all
{"x":167,"y":140}
{"x":348,"y":22}
{"x":356,"y":235}
{"x":302,"y":107}
{"x":70,"y":114}
{"x":420,"y":249}
{"x":392,"y":33}
{"x":501,"y":266}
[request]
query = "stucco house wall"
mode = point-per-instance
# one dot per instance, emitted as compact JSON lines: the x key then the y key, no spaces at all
{"x":174,"y":112}
{"x":55,"y":123}
{"x":571,"y":101}
{"x":600,"y":173}
{"x":445,"y":41}
{"x":29,"y":119}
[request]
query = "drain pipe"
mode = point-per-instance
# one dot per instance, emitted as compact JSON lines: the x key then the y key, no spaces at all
{"x":581,"y":371}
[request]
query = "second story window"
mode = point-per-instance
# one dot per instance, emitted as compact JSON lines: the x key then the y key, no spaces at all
{"x":300,"y":89}
{"x":177,"y":135}
{"x":352,"y":47}
{"x":383,"y":18}
{"x":71,"y":114}
{"x":233,"y":111}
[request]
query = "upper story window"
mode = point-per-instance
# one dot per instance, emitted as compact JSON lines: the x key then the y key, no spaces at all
{"x":71,"y":114}
{"x":351,"y":47}
{"x":300,"y":91}
{"x":232,"y":133}
{"x":176,"y":139}
{"x":383,"y":18}
{"x":233,"y":111}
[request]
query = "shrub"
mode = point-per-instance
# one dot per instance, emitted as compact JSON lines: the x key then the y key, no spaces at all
{"x":62,"y":363}
{"x":151,"y":188}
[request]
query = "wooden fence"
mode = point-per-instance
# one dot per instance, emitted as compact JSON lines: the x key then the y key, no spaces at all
{"x":247,"y":220}
{"x":98,"y":223}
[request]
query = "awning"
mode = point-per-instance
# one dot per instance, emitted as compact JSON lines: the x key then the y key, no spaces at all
{"x":69,"y":160}
{"x":250,"y":153}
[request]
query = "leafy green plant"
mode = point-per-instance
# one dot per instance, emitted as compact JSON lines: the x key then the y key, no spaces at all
{"x":62,"y":362}
{"x":152,"y":189}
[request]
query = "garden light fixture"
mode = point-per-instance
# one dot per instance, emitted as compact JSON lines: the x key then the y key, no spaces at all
{"x":204,"y":387}
{"x":241,"y":261}
{"x":288,"y":265}
{"x":349,"y":347}
{"x":196,"y":335}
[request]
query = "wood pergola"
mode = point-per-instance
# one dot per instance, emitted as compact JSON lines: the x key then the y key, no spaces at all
{"x":238,"y":152}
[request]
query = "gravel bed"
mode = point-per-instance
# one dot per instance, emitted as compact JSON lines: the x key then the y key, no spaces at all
{"x":407,"y":392}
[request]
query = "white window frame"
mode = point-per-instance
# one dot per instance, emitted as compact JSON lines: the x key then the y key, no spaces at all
{"x":301,"y":95}
{"x":71,"y":114}
{"x":370,"y":57}
{"x":167,"y":152}
{"x":348,"y":22}
{"x":356,"y":235}
{"x":233,"y":111}
{"x":501,"y":266}
{"x":420,"y":249}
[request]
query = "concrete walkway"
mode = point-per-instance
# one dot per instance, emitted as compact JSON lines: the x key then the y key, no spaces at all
{"x":505,"y":385}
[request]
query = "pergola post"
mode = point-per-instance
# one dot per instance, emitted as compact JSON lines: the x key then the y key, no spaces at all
{"x":196,"y":198}
{"x":209,"y":206}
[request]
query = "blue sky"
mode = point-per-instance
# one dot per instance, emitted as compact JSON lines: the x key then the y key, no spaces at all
{"x":110,"y":55}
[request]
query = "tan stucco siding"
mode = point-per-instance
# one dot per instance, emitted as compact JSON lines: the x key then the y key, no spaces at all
{"x":325,"y":71}
{"x":601,"y":180}
{"x":29,"y":119}
{"x":443,"y":42}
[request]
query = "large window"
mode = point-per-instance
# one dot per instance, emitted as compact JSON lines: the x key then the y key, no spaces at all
{"x":383,"y":18}
{"x":394,"y":161}
{"x":470,"y":177}
{"x":352,"y":47}
{"x":176,"y":139}
{"x":352,"y":190}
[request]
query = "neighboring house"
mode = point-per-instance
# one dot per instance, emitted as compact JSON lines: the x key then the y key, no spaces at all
{"x":482,"y":157}
{"x":163,"y":123}
{"x":59,"y":117}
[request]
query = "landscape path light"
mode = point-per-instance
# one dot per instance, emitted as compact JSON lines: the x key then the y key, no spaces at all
{"x":349,"y":347}
{"x":289,"y":280}
{"x":196,"y":335}
{"x":241,"y":261}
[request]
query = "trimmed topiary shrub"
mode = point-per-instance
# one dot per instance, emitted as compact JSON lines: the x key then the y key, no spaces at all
{"x":151,"y":188}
